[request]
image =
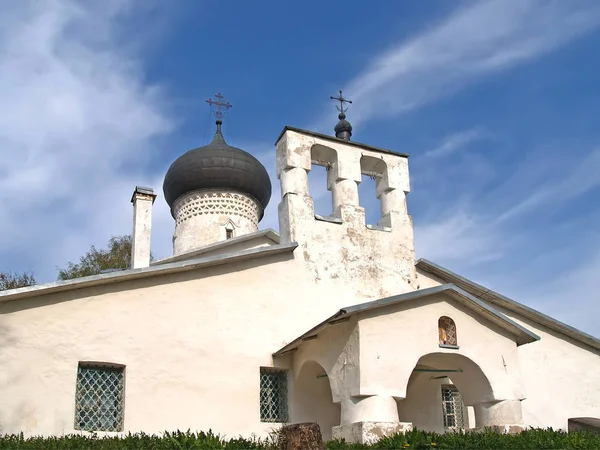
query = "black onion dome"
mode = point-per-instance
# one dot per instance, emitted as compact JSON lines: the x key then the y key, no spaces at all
{"x":217,"y":166}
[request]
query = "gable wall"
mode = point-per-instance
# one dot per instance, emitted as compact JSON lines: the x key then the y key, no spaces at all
{"x":393,"y":339}
{"x":559,"y":375}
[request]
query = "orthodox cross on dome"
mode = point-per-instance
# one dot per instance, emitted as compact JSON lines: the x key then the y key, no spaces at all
{"x":218,"y":107}
{"x":340,"y":98}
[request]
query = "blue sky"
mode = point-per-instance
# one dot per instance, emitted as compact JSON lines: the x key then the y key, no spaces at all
{"x":497,"y":102}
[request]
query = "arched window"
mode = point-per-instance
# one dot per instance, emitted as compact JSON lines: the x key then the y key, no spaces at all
{"x":447,"y":331}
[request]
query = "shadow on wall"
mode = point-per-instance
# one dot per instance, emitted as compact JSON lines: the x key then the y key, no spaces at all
{"x":311,"y":399}
{"x":20,"y":412}
{"x":424,"y":405}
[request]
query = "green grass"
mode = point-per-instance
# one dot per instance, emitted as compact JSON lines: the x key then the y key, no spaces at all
{"x":416,"y":439}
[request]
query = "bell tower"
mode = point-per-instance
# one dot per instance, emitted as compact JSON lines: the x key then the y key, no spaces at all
{"x":378,"y":260}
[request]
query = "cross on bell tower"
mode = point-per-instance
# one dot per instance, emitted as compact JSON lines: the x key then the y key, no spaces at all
{"x":340,"y":98}
{"x":343,"y":129}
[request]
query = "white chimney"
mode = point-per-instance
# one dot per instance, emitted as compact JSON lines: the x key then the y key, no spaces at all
{"x":142,"y":200}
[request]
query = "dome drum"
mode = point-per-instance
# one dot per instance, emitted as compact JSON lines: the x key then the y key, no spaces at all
{"x":207,"y":216}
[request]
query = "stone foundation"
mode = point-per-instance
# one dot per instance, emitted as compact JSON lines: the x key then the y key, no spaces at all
{"x":369,"y":432}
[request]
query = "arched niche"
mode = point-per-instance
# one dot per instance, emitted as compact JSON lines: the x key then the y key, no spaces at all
{"x":447,"y":333}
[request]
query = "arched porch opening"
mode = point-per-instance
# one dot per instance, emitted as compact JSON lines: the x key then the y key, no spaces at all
{"x":441,"y":391}
{"x":311,"y":399}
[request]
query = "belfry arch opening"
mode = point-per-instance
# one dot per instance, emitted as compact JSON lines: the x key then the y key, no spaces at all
{"x":373,"y":170}
{"x":312,"y":399}
{"x":322,"y":160}
{"x":441,"y":392}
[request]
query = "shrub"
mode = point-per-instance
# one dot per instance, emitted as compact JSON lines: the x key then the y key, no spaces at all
{"x":415,"y":439}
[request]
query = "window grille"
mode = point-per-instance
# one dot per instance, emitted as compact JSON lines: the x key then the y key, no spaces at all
{"x":447,"y":331}
{"x":273,"y":395}
{"x":452,"y":407}
{"x":99,"y":398}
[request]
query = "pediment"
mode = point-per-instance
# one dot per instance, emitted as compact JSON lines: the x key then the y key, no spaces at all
{"x":519,"y":334}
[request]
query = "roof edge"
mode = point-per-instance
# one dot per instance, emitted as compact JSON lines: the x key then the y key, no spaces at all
{"x":310,"y":332}
{"x":340,"y":141}
{"x":134,"y":274}
{"x":510,"y":304}
{"x":269,"y":233}
{"x":522,"y":335}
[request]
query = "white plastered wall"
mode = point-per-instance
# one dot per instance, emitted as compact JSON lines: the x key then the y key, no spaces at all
{"x":372,"y":356}
{"x":192,"y":344}
{"x":393,"y":340}
{"x":559,"y":375}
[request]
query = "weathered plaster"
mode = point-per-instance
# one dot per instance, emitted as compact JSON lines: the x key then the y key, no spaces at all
{"x":374,"y":262}
{"x":369,"y":432}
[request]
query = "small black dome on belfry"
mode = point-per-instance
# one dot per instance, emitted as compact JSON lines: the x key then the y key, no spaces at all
{"x":343,"y":129}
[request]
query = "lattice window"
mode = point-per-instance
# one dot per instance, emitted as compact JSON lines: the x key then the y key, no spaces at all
{"x":452,"y":407}
{"x":99,"y":398}
{"x":447,"y":331}
{"x":273,"y":395}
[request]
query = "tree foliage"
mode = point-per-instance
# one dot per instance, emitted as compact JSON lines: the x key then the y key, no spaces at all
{"x":9,"y":280}
{"x":117,"y":255}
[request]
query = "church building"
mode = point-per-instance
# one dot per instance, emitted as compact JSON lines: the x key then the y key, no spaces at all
{"x":329,"y":320}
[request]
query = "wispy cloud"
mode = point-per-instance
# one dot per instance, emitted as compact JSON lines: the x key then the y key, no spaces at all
{"x":483,"y":38}
{"x":571,"y":296}
{"x":459,"y":237}
{"x":77,"y":124}
{"x":474,"y":219}
{"x":455,"y":142}
{"x":578,"y":178}
{"x":522,"y":237}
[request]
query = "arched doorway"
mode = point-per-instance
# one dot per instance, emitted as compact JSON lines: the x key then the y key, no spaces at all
{"x":311,"y":399}
{"x":440,"y":391}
